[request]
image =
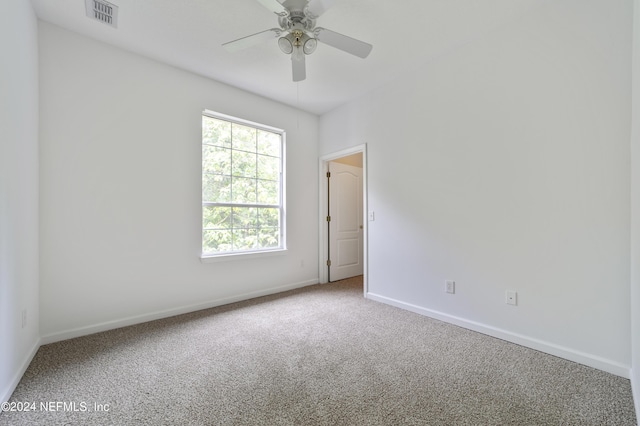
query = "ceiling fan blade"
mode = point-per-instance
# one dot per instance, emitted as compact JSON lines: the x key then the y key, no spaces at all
{"x":299,"y":68}
{"x":248,"y":41}
{"x":318,"y":7}
{"x":273,"y":5}
{"x":343,"y":42}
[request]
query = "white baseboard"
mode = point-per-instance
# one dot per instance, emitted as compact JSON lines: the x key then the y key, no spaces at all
{"x":8,"y":391}
{"x":542,"y":346}
{"x":138,"y":319}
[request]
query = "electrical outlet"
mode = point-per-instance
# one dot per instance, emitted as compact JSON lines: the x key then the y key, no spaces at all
{"x":24,"y":318}
{"x":450,"y":287}
{"x":512,"y":298}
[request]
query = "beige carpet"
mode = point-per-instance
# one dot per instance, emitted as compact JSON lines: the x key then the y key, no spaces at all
{"x":322,"y":355}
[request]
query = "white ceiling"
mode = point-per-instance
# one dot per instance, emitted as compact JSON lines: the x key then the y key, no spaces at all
{"x":189,"y":33}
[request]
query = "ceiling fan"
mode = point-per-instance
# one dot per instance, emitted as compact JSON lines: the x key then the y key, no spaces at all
{"x":298,"y":34}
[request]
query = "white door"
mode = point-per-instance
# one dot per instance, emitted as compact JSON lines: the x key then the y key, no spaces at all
{"x":345,"y":226}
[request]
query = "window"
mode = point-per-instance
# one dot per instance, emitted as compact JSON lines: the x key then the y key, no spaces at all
{"x":242,"y":191}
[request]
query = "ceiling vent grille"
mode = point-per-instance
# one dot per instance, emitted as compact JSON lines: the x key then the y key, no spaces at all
{"x":102,"y":11}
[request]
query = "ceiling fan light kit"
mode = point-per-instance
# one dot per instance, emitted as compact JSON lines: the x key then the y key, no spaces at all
{"x":297,"y":20}
{"x":309,"y":46}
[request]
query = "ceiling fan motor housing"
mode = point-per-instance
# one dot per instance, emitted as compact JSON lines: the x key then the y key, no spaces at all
{"x":290,"y":19}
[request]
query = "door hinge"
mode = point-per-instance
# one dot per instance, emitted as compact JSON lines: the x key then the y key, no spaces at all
{"x":328,"y":218}
{"x":328,"y":174}
{"x":328,"y":263}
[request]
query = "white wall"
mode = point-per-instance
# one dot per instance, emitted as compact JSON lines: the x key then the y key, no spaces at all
{"x":505,"y":165}
{"x":120,"y":190}
{"x":635,"y":211}
{"x":18,"y":191}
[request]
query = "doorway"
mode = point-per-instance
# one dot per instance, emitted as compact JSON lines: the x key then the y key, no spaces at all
{"x":343,"y":207}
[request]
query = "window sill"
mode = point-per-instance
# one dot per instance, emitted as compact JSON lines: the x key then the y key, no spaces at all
{"x":227,"y":257}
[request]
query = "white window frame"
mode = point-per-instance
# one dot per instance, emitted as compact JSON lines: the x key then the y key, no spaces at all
{"x":245,"y":254}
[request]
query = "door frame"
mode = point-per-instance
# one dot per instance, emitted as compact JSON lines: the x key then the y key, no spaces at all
{"x":323,"y":206}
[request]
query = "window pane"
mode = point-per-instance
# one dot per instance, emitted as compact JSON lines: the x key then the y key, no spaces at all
{"x":245,"y":217}
{"x":244,"y":137}
{"x":216,"y":217}
{"x":268,"y":192}
{"x":268,"y":167}
{"x":269,"y":217}
{"x":245,"y":239}
{"x":216,"y":241}
{"x":269,"y":238}
{"x":244,"y":190}
{"x":216,"y":160}
{"x":244,"y":164}
{"x":216,"y":132}
{"x":216,"y":188}
{"x":241,"y":173}
{"x":269,"y":143}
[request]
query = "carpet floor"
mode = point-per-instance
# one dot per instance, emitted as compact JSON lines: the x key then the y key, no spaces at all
{"x":321,"y":355}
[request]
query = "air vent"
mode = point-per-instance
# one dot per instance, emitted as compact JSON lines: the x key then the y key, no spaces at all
{"x":102,"y":11}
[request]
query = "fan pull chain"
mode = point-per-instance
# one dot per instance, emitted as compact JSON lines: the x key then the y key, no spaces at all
{"x":298,"y":104}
